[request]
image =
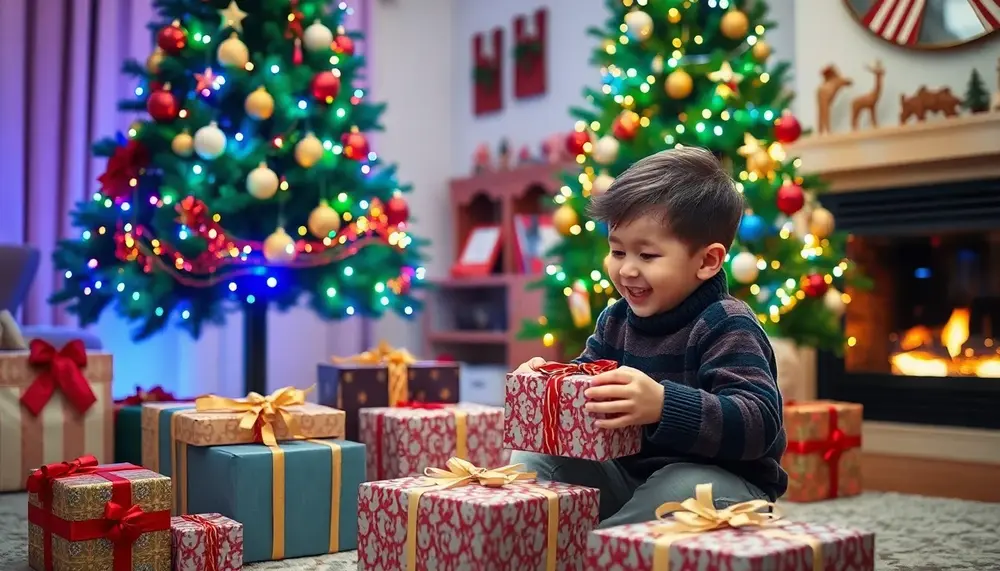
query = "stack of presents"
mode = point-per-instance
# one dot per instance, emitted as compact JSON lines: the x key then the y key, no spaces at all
{"x":389,"y":463}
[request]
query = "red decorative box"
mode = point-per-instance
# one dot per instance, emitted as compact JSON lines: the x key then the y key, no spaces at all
{"x":206,"y":541}
{"x":403,"y":441}
{"x":544,"y":412}
{"x":823,"y":457}
{"x":509,"y":522}
{"x":738,"y":538}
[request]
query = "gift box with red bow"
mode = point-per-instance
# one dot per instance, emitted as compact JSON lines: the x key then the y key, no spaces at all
{"x":128,"y":421}
{"x":82,"y":515}
{"x":207,"y":542}
{"x":54,"y":403}
{"x":544,"y":412}
{"x":403,"y":441}
{"x":823,"y":457}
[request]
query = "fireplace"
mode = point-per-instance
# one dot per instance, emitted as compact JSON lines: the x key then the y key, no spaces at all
{"x":924,"y":342}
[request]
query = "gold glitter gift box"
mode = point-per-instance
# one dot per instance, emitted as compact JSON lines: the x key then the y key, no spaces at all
{"x":823,"y":457}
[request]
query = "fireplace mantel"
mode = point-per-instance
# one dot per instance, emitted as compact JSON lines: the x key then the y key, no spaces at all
{"x":938,"y":150}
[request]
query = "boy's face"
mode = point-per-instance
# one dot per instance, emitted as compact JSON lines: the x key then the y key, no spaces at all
{"x":651,"y":269}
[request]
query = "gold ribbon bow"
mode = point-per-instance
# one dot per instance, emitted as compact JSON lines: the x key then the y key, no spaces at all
{"x":258,"y":408}
{"x":396,"y":362}
{"x":462,"y":472}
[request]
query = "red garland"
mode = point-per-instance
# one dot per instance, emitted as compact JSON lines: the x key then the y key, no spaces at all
{"x":832,"y":448}
{"x":125,"y":164}
{"x":557,"y":373}
{"x":212,"y":543}
{"x":58,"y":369}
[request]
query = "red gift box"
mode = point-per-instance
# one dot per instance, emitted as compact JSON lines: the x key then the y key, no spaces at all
{"x":823,"y":456}
{"x":544,"y":412}
{"x":738,"y":538}
{"x":206,"y":542}
{"x":509,"y":521}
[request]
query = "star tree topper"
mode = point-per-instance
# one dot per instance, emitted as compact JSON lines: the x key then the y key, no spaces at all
{"x":728,"y":80}
{"x":232,"y":17}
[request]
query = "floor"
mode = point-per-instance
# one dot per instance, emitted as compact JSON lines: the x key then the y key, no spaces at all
{"x":913,"y":533}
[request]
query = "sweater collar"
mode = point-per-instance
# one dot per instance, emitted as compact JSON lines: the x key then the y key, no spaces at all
{"x":672,"y":320}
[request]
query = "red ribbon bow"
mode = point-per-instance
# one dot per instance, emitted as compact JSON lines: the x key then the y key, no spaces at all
{"x":127,"y":523}
{"x":213,"y":548}
{"x":831,"y":448}
{"x":556,"y":373}
{"x":58,"y":369}
{"x":40,"y":480}
{"x":155,"y":394}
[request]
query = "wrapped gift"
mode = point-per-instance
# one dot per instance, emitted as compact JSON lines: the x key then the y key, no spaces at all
{"x":169,"y":429}
{"x":128,"y":422}
{"x":384,"y":377}
{"x":295,"y":499}
{"x":823,"y":457}
{"x":54,"y":404}
{"x":510,"y":521}
{"x":544,"y":412}
{"x":403,"y":441}
{"x":82,"y":515}
{"x":204,"y":542}
{"x":696,"y":535}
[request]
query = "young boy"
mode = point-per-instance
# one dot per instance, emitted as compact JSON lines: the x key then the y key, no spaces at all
{"x":696,"y":370}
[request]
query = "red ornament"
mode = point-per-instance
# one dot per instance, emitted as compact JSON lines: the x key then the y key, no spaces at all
{"x":343,"y":45}
{"x":125,"y":164}
{"x":576,"y":141}
{"x":790,"y":198}
{"x":626,"y":125}
{"x":397,"y":211}
{"x":814,"y":285}
{"x":297,"y":52}
{"x":325,"y":86}
{"x":172,"y":39}
{"x":355,"y":146}
{"x":787,"y":128}
{"x":162,"y":106}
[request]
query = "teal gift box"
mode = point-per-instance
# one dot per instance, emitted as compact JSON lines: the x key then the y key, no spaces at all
{"x":128,"y":434}
{"x":298,"y":501}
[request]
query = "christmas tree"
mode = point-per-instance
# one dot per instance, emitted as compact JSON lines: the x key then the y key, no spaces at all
{"x":977,"y":99}
{"x":248,"y":181}
{"x":697,"y":74}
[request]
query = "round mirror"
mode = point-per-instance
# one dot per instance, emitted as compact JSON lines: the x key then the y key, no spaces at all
{"x":927,"y":24}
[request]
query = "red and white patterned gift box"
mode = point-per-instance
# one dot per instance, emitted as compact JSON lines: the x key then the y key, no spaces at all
{"x":206,"y":542}
{"x":544,"y":412}
{"x":500,"y":522}
{"x":402,"y":441}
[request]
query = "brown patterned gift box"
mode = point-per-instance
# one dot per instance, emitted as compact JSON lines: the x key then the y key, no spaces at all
{"x":384,"y":377}
{"x":54,"y":404}
{"x":88,"y":517}
{"x":823,"y":457}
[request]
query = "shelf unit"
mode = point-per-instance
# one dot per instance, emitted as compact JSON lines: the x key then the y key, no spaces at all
{"x":501,"y":299}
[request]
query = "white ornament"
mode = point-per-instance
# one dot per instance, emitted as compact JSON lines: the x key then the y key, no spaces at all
{"x":744,"y":267}
{"x":763,"y":295}
{"x":279,"y":247}
{"x":209,"y":141}
{"x":640,"y":24}
{"x":602,"y":183}
{"x":606,"y":150}
{"x":834,"y":301}
{"x":317,"y":37}
{"x":657,"y":64}
{"x":262,"y":182}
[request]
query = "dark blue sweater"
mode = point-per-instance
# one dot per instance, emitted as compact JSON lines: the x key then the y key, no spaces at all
{"x":721,"y":403}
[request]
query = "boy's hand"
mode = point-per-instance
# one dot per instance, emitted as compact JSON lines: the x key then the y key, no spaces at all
{"x":630,"y":396}
{"x":530,"y":366}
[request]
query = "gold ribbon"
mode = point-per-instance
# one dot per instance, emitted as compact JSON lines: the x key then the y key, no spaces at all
{"x":461,"y":433}
{"x":256,"y":407}
{"x":336,"y":485}
{"x":396,"y":362}
{"x":463,"y":473}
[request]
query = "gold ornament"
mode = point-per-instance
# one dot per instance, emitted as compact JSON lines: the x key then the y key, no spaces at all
{"x":656,"y":65}
{"x":834,"y":301}
{"x":601,"y":184}
{"x":259,"y":104}
{"x":279,"y":247}
{"x":308,"y":151}
{"x":726,"y":78}
{"x":673,"y":15}
{"x":154,"y":60}
{"x":323,"y":221}
{"x":232,"y":17}
{"x":233,"y":53}
{"x":821,"y":223}
{"x":605,"y":150}
{"x":262,"y":182}
{"x":678,"y":84}
{"x":761,"y":51}
{"x":734,"y":25}
{"x":758,"y":160}
{"x":564,"y":219}
{"x":182,"y":144}
{"x":640,"y":25}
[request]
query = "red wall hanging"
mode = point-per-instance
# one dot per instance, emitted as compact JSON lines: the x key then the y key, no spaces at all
{"x":487,"y":76}
{"x":529,"y":55}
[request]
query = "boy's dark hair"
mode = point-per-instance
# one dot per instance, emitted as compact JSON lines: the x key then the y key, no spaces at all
{"x":687,"y":186}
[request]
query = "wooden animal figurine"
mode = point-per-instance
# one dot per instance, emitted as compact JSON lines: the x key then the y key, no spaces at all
{"x":996,"y":96}
{"x":925,"y":100}
{"x":868,"y":101}
{"x":833,"y":82}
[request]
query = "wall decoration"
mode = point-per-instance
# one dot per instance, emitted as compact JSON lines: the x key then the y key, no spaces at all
{"x":927,"y":24}
{"x":927,"y":101}
{"x":487,"y":73}
{"x":529,"y":55}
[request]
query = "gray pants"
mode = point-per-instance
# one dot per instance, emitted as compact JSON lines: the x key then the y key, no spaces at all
{"x":625,"y":499}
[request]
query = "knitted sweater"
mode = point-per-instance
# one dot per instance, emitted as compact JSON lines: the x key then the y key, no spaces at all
{"x":721,"y":403}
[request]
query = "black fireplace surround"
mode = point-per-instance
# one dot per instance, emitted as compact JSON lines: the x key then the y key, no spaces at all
{"x":922,"y":210}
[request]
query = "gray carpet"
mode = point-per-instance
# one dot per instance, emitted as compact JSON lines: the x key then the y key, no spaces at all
{"x":913,"y":533}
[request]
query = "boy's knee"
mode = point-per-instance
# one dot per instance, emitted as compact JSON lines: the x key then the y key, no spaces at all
{"x":677,"y":482}
{"x":542,"y":464}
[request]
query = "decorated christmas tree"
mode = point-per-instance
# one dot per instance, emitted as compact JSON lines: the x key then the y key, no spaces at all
{"x":248,"y":182}
{"x":697,"y":74}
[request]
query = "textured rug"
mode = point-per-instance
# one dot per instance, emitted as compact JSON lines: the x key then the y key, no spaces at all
{"x":913,"y":533}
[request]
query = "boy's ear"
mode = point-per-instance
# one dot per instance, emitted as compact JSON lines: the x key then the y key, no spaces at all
{"x":712,"y":258}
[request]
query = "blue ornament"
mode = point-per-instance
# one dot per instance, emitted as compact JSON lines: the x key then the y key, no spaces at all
{"x":602,"y":227}
{"x":752,"y":228}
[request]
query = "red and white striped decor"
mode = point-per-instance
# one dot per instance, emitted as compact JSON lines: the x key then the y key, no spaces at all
{"x":899,"y":20}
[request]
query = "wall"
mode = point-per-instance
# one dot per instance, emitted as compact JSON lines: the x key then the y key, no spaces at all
{"x":850,"y":47}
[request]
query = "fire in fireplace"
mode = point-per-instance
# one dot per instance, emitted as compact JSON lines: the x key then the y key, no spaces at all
{"x":946,"y":352}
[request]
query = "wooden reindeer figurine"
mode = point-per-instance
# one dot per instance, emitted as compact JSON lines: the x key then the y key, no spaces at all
{"x":833,"y":82}
{"x":996,"y":96}
{"x":868,"y":101}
